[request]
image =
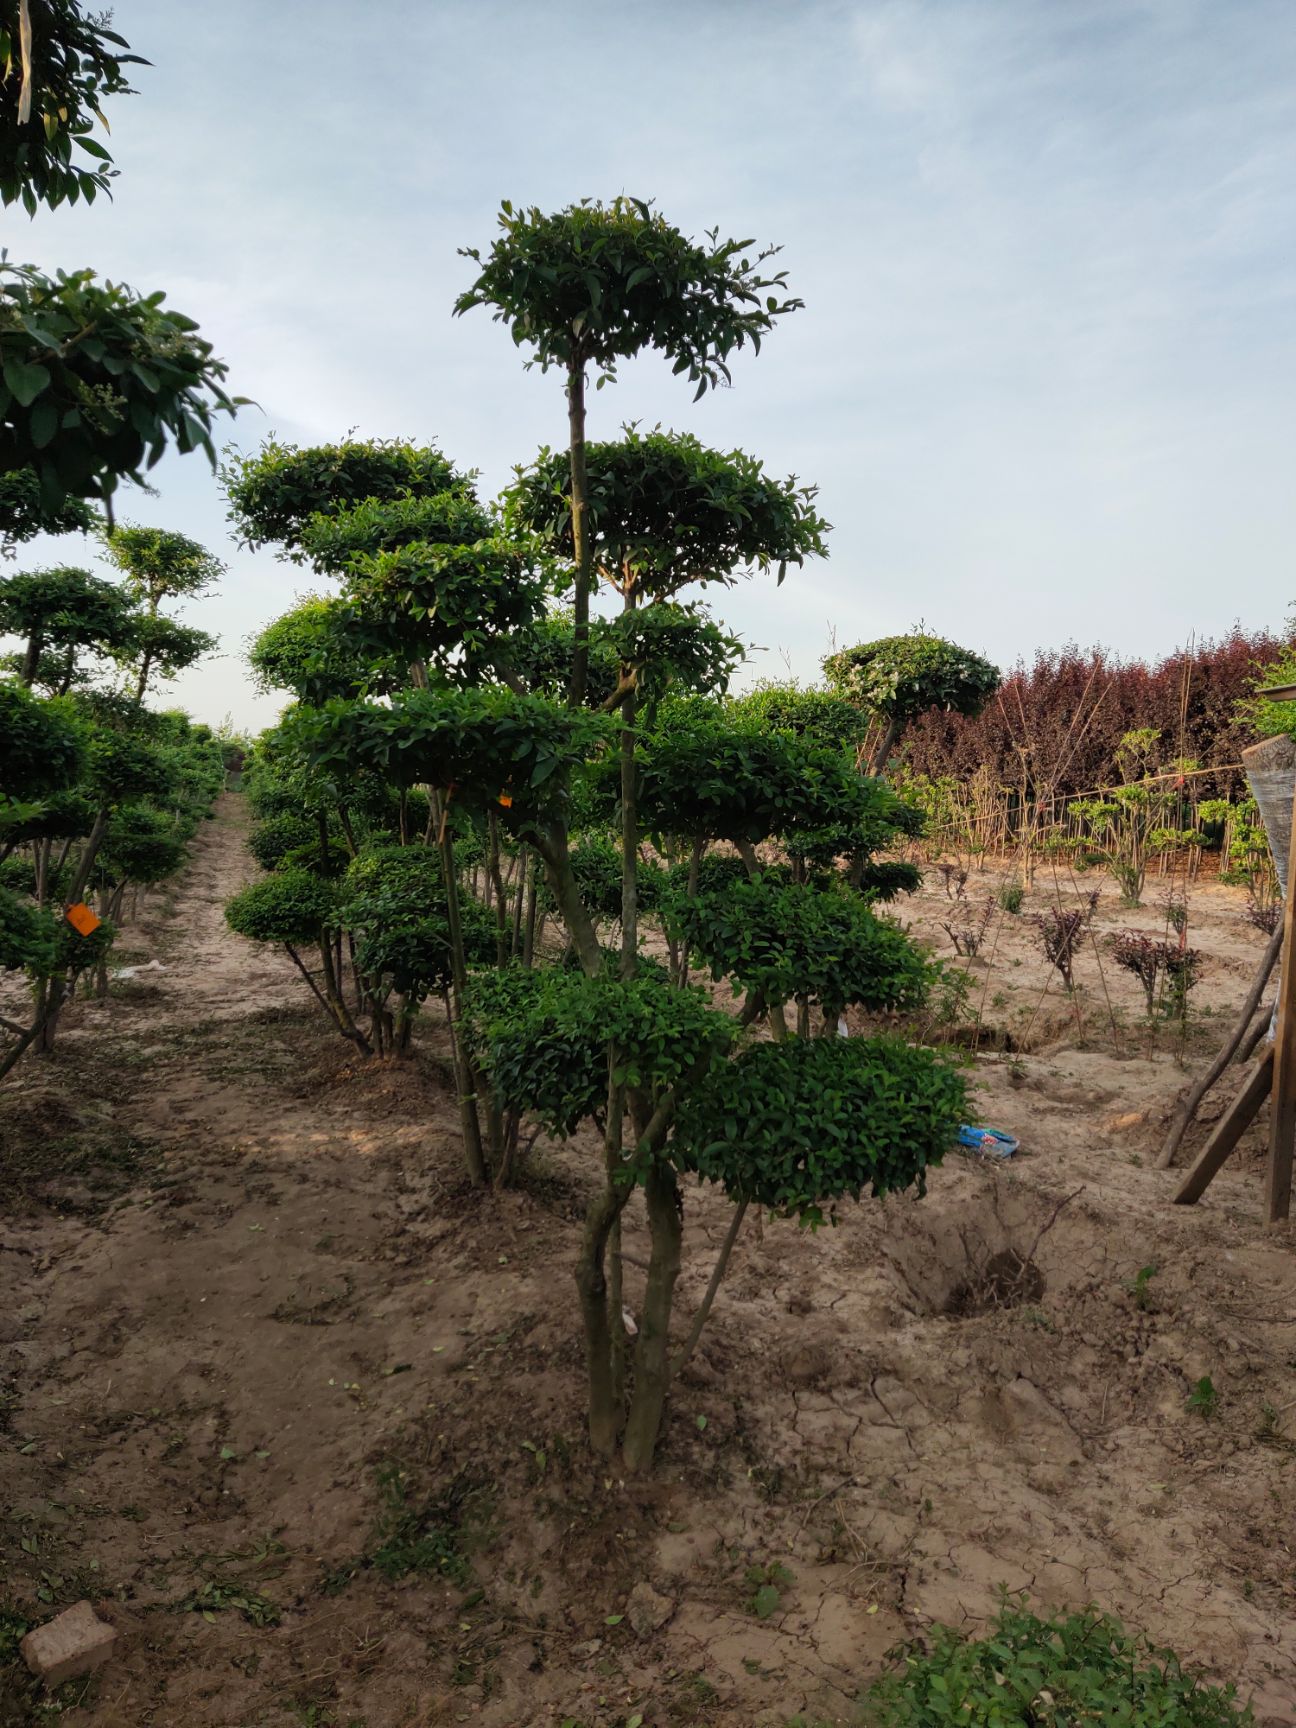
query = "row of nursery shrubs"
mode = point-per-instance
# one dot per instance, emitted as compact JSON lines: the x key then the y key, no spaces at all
{"x":100,"y":793}
{"x":96,"y":802}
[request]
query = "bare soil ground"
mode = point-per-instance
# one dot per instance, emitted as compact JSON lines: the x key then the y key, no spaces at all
{"x":260,"y":1348}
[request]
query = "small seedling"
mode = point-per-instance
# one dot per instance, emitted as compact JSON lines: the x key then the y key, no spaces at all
{"x":767,"y":1584}
{"x":1204,"y":1398}
{"x":538,"y":1453}
{"x":1011,"y":896}
{"x":1139,"y":1288}
{"x":218,"y":1595}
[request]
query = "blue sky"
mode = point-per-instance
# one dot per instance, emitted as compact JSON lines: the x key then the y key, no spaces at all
{"x":1046,"y":369}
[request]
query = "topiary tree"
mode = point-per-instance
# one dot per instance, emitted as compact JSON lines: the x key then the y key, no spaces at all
{"x":596,"y":284}
{"x":64,"y":610}
{"x":394,"y":906}
{"x":94,"y":796}
{"x":297,"y":909}
{"x":276,"y":493}
{"x":159,"y":647}
{"x":823,"y":717}
{"x":896,"y":679}
{"x":42,"y":749}
{"x":650,"y":1058}
{"x":158,"y":564}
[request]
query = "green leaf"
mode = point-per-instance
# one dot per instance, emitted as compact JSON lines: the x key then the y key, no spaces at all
{"x":44,"y":424}
{"x":26,"y":380}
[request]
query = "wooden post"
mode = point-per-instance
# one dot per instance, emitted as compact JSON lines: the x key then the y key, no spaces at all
{"x":1282,"y":1115}
{"x":1188,"y":1109}
{"x":1230,"y":1128}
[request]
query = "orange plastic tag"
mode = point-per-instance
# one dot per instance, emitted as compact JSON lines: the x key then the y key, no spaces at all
{"x":82,"y":919}
{"x":506,"y":800}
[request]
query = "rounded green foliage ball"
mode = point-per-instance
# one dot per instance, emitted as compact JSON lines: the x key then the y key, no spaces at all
{"x":28,"y":936}
{"x":41,"y":745}
{"x":294,"y":907}
{"x":798,"y":940}
{"x":799,"y":1125}
{"x":901,"y":677}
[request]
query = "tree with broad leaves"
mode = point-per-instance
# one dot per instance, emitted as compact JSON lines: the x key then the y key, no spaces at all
{"x":595,"y":284}
{"x":94,"y":381}
{"x":59,"y":63}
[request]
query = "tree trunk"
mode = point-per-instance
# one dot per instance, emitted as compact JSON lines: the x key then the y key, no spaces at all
{"x":562,"y":880}
{"x":580,"y":530}
{"x":146,"y":666}
{"x":333,"y":993}
{"x":58,"y":987}
{"x":629,"y":843}
{"x":605,"y":1409}
{"x":497,"y":883}
{"x":31,"y":659}
{"x":652,"y":1356}
{"x":883,"y":752}
{"x":777,"y":1020}
{"x":529,"y":933}
{"x":469,"y":1120}
{"x":708,"y":1301}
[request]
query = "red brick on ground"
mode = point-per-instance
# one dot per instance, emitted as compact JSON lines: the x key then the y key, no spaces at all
{"x":75,"y":1642}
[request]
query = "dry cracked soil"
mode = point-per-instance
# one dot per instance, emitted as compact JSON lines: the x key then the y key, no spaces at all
{"x":301,"y":1414}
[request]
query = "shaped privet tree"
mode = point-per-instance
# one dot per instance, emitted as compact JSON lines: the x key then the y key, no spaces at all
{"x":596,"y":284}
{"x":676,"y":1082}
{"x":429,"y":584}
{"x":157,"y":564}
{"x":649,"y":517}
{"x":94,"y":797}
{"x":898,"y":678}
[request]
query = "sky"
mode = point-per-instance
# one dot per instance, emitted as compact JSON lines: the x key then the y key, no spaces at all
{"x":1045,"y":372}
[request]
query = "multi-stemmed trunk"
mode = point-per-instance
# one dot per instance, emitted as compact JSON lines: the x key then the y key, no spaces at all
{"x":652,"y":1354}
{"x":465,"y":1083}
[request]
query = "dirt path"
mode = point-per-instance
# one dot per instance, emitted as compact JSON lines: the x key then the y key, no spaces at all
{"x":304,"y":1416}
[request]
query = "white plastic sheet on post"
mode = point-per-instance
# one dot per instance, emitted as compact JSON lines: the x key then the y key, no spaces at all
{"x":1271,"y":775}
